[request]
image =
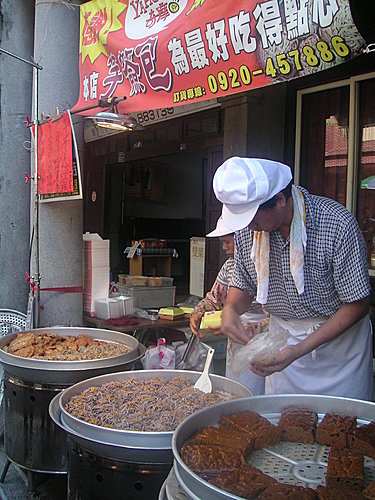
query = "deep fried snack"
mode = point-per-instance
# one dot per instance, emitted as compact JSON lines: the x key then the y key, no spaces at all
{"x":58,"y":348}
{"x":259,"y":428}
{"x":279,"y":490}
{"x":21,"y":341}
{"x":362,"y":439}
{"x":222,"y":436}
{"x":334,"y":429}
{"x":345,"y":469}
{"x":298,"y":425}
{"x":209,"y":460}
{"x":246,"y":481}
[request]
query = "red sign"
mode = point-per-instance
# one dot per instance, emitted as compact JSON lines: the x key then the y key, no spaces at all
{"x":55,"y":154}
{"x":164,"y":53}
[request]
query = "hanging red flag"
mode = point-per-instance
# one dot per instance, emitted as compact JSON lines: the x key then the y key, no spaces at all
{"x":55,"y":156}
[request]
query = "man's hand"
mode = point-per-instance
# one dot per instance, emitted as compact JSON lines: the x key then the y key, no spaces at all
{"x":236,"y":303}
{"x":195,"y":321}
{"x":275,"y":363}
{"x":232,"y":327}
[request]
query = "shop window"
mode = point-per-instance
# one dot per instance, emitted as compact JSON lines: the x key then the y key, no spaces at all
{"x":366,"y":166}
{"x":337,"y":160}
{"x":324,"y":143}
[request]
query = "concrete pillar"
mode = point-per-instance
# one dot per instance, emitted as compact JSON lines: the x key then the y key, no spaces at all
{"x":16,"y":36}
{"x":60,"y":223}
{"x":254,"y":123}
{"x":236,"y":109}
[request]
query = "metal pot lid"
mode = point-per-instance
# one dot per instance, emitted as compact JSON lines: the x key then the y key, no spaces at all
{"x":67,"y":372}
{"x":268,"y":406}
{"x":135,"y":439}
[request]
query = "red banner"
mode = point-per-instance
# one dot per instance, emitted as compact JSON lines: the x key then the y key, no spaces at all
{"x":55,"y":155}
{"x":164,"y":53}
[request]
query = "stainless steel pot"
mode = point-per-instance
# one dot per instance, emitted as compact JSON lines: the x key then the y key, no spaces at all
{"x":130,"y":446}
{"x":69,"y":372}
{"x":301,"y":463}
{"x":31,"y":438}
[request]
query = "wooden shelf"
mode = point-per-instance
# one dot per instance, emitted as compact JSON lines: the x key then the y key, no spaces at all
{"x":151,"y":265}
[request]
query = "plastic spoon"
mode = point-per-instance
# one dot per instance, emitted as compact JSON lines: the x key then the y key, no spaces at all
{"x":204,"y":383}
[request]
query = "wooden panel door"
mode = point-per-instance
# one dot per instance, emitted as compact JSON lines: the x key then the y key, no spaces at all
{"x":213,"y":260}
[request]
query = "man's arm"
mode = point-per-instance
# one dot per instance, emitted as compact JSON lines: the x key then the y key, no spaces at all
{"x":237,"y":302}
{"x":342,"y":320}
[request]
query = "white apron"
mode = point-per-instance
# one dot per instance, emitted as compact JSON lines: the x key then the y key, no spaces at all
{"x":341,"y":367}
{"x":248,"y":378}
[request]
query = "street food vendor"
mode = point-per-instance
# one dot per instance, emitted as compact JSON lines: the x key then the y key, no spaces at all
{"x":214,"y":300}
{"x":304,"y":258}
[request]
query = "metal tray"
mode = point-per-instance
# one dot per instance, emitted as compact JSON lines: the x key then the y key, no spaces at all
{"x":70,"y":372}
{"x":294,"y":463}
{"x":130,"y":445}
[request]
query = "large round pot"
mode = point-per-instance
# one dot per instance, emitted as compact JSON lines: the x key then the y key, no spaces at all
{"x":31,"y":438}
{"x":130,"y":446}
{"x":69,"y":372}
{"x":305,"y":465}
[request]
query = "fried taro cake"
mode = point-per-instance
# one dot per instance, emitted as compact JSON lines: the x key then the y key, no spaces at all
{"x":345,"y":469}
{"x":327,"y":493}
{"x":259,"y":428}
{"x":246,"y":481}
{"x":334,"y":429}
{"x":362,"y":439}
{"x":281,"y":490}
{"x":221,"y":436}
{"x":210,"y":460}
{"x":298,"y":425}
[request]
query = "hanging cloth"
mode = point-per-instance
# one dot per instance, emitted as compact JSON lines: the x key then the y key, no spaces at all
{"x":260,"y":251}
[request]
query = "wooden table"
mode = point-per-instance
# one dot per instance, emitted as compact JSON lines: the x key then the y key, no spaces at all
{"x":143,"y":329}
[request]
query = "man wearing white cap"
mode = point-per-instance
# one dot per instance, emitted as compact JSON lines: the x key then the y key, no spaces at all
{"x":215,"y":299}
{"x":304,"y":258}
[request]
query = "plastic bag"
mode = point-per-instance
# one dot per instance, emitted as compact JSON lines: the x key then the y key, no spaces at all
{"x":159,"y":357}
{"x":191,"y":301}
{"x":196,"y":357}
{"x":143,"y":314}
{"x":261,"y":346}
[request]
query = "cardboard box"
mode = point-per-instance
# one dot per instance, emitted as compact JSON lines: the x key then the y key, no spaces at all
{"x":109,"y":308}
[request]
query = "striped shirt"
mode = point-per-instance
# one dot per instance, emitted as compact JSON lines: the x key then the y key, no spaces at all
{"x":335,"y":264}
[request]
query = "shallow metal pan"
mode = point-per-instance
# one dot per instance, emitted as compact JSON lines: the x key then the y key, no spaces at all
{"x":69,"y":372}
{"x":300,"y":457}
{"x":135,"y":445}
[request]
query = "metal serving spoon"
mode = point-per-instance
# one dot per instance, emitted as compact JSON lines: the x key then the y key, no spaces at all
{"x":204,"y":383}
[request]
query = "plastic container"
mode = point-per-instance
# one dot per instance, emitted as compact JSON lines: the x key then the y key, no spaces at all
{"x":154,"y":281}
{"x":146,"y":297}
{"x":136,"y":280}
